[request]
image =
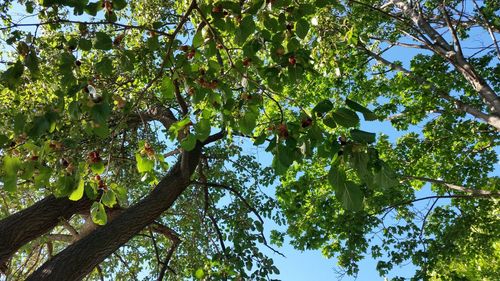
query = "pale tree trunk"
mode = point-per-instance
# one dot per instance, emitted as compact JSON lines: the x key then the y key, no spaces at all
{"x":453,"y":53}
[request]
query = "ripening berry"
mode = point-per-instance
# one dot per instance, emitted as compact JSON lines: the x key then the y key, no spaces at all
{"x":306,"y":122}
{"x":217,"y":9}
{"x":283,"y":131}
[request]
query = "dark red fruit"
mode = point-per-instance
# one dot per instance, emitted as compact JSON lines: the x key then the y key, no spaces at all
{"x":217,"y":9}
{"x":306,"y":122}
{"x":283,"y":131}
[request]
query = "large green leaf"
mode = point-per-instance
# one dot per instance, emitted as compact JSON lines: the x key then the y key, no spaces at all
{"x":248,"y":122}
{"x":108,"y":198}
{"x":10,"y":167}
{"x":103,"y":41}
{"x":85,"y":44}
{"x":384,"y":177}
{"x":77,"y":194}
{"x":97,"y":167}
{"x":301,"y":28}
{"x":246,"y":28}
{"x":350,"y":195}
{"x":323,"y":107}
{"x":202,"y":129}
{"x":167,"y":88}
{"x":362,"y":136}
{"x":189,"y":142}
{"x":345,"y":117}
{"x":144,"y":164}
{"x":336,"y":176}
{"x":368,"y":114}
{"x":12,"y":76}
{"x":119,"y":4}
{"x":100,"y":112}
{"x":104,"y":67}
{"x":98,"y":213}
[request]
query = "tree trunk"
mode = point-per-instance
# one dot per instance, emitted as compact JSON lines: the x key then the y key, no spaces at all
{"x":80,"y":258}
{"x":28,"y":224}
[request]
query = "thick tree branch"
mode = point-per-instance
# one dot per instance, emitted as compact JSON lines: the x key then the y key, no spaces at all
{"x":32,"y":222}
{"x":490,"y":119}
{"x":475,"y":192}
{"x":78,"y":259}
{"x":441,"y":47}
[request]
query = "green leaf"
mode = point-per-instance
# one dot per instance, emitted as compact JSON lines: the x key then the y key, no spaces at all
{"x":12,"y":75}
{"x":101,"y":130}
{"x":65,"y":185}
{"x":100,"y":112}
{"x":120,"y":193}
{"x":367,"y":114}
{"x":178,"y":126}
{"x":97,"y":167}
{"x":329,"y":121}
{"x":350,"y":195}
{"x":246,"y":28}
{"x":189,"y":142}
{"x":104,"y":67}
{"x":98,"y":213}
{"x":119,"y":4}
{"x":255,"y":6}
{"x":197,"y":39}
{"x":167,"y":88}
{"x":278,"y":167}
{"x":285,"y":155}
{"x":323,"y":107}
{"x":93,"y":8}
{"x":345,"y":117}
{"x":152,"y":43}
{"x":77,"y":194}
{"x":362,"y":136}
{"x":248,"y":122}
{"x":40,"y":126}
{"x":301,"y":28}
{"x":144,"y":164}
{"x":31,"y":62}
{"x":385,"y":178}
{"x":10,"y":167}
{"x":3,"y":140}
{"x":202,"y":129}
{"x":85,"y":44}
{"x":199,"y":274}
{"x":19,"y":123}
{"x":91,"y":191}
{"x":336,"y":176}
{"x":108,"y":198}
{"x":103,"y":41}
{"x":359,"y":161}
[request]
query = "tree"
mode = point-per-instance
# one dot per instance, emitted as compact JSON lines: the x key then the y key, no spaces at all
{"x":123,"y":127}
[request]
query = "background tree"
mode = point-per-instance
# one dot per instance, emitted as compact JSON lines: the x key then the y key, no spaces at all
{"x":114,"y":110}
{"x":430,"y":67}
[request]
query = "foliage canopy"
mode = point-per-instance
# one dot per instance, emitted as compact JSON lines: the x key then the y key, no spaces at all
{"x":112,"y":111}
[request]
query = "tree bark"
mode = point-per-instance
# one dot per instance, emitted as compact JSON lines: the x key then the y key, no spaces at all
{"x":80,"y":258}
{"x":28,"y":224}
